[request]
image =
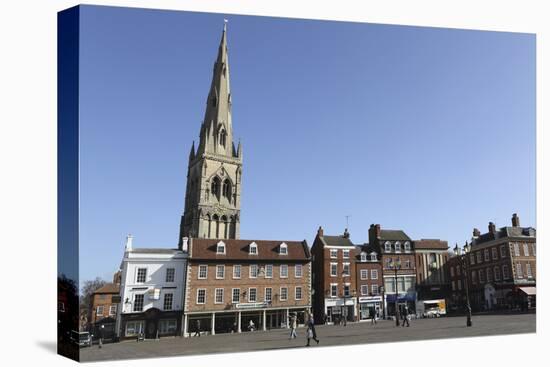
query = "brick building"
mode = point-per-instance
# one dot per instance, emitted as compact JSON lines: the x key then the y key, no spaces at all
{"x":232,"y":282}
{"x":395,"y":247}
{"x":502,"y":267}
{"x":432,"y":279}
{"x":334,"y":282}
{"x":369,"y":280}
{"x":105,"y":302}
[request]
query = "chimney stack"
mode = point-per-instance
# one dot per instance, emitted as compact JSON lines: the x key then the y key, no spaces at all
{"x":346,"y":233}
{"x":515,"y":220}
{"x":377,"y":228}
{"x":320,"y":232}
{"x":184,"y":244}
{"x":492,"y":228}
{"x":477,"y":233}
{"x":128,"y":246}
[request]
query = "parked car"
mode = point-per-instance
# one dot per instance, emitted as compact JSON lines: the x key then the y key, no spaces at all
{"x":81,"y":338}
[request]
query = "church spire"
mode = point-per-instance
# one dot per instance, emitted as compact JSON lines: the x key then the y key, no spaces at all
{"x":217,"y":129}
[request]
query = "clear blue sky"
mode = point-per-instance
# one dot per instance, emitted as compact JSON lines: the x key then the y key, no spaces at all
{"x":423,"y":129}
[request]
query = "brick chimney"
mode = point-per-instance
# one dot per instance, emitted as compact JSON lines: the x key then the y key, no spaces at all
{"x":346,"y":233}
{"x":515,"y":220}
{"x":492,"y":228}
{"x":476,"y":233}
{"x":320,"y":232}
{"x":377,"y":230}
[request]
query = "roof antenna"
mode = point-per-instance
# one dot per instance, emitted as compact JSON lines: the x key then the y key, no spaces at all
{"x":347,"y":221}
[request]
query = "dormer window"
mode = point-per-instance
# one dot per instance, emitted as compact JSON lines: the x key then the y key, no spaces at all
{"x":283,"y":249}
{"x":253,"y":249}
{"x":363,"y":256}
{"x":373,"y":256}
{"x":407,"y":246}
{"x":398,"y":247}
{"x":220,"y":248}
{"x":387,"y":247}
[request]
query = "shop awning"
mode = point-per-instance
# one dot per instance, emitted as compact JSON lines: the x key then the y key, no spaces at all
{"x":530,"y":291}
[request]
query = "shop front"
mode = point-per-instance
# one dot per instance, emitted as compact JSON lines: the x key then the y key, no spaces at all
{"x":370,"y":307}
{"x":337,"y":311}
{"x":404,"y":300}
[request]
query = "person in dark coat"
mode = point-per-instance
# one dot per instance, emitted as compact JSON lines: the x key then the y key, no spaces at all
{"x":405,"y":316}
{"x":197,"y":328}
{"x":311,"y":326}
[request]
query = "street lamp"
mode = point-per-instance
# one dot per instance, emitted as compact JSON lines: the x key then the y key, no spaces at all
{"x":344,"y":308}
{"x":396,"y":266}
{"x":465,"y":273}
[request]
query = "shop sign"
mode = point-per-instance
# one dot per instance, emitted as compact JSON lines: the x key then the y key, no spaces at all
{"x":244,"y":306}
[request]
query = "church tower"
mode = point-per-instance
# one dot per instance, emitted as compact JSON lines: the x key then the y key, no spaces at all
{"x":213,"y":194}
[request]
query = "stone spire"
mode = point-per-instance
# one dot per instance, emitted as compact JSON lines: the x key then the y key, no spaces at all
{"x":216,"y":135}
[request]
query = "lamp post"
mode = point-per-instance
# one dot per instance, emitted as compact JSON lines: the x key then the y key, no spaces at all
{"x":396,"y":266}
{"x":465,"y":273}
{"x":345,"y":307}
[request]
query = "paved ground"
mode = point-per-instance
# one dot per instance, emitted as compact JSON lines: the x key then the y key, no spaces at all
{"x":353,"y":333}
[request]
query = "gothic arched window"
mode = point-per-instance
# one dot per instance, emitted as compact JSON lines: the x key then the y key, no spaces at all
{"x":227,"y":189}
{"x":223,"y":136}
{"x":216,"y":187}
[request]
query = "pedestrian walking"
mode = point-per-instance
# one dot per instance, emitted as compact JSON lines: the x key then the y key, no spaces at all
{"x":251,"y":325}
{"x":405,"y":316}
{"x":100,"y":332}
{"x":292,"y":323}
{"x":197,"y":328}
{"x":325,"y":318}
{"x":311,"y":330}
{"x":373,"y":317}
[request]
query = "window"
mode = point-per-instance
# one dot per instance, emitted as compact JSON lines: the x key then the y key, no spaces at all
{"x":481,"y":274}
{"x":268,"y":294}
{"x":528,"y":270}
{"x":505,"y":273}
{"x":516,"y":249}
{"x":346,"y":290}
{"x":236,"y":272}
{"x":253,"y":249}
{"x":333,"y":254}
{"x":298,"y":293}
{"x":364,"y":289}
{"x":170,"y":275}
{"x":168,"y":299}
{"x":374,"y":289}
{"x":203,"y":271}
{"x":201,"y":296}
{"x":374,"y":274}
{"x":283,"y":249}
{"x":486,"y":254}
{"x":222,"y":136}
{"x":134,"y":328}
{"x":215,"y":187}
{"x":452,"y":271}
{"x":363,"y":257}
{"x":457,"y":270}
{"x":502,"y":251}
{"x":407,"y":246}
{"x":519,"y":271}
{"x":453,"y":285}
{"x":398,"y":247}
{"x":220,"y":271}
{"x":401,"y":285}
{"x":333,"y":269}
{"x":167,"y":326}
{"x":218,"y":293}
{"x":269,"y":271}
{"x":489,"y":275}
{"x":474,"y":277}
{"x":407,"y":264}
{"x":252,"y":295}
{"x":387,"y":247}
{"x":333,"y":290}
{"x":472,"y":259}
{"x":220,"y":248}
{"x":99,"y":311}
{"x":141,"y":275}
{"x":226,"y":190}
{"x":284,"y":294}
{"x":389,"y":284}
{"x":236,"y":295}
{"x":298,"y":270}
{"x":525,"y":249}
{"x":373,"y":256}
{"x":496,"y":272}
{"x":478,"y":257}
{"x":138,"y":302}
{"x":534,"y":249}
{"x":284,"y":271}
{"x":345,"y":254}
{"x":345,"y":269}
{"x":388,"y":263}
{"x":494,"y":253}
{"x":364,"y":274}
{"x":112,"y":310}
{"x":253,"y":271}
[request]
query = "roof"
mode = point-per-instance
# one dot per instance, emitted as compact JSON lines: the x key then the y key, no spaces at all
{"x":155,"y":250}
{"x":336,"y":241}
{"x":435,"y":244}
{"x":504,"y":232}
{"x":205,"y":249}
{"x":393,"y":235}
{"x":108,"y":288}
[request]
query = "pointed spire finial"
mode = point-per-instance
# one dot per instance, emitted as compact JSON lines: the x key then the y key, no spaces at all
{"x":225,"y":24}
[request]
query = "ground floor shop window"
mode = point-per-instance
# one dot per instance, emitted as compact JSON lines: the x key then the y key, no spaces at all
{"x":134,"y":328}
{"x":167,"y":326}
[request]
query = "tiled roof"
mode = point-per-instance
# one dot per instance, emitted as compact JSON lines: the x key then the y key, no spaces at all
{"x":205,"y":249}
{"x":337,"y":241}
{"x":516,"y":232}
{"x":109,"y":288}
{"x":430,"y":244}
{"x":393,"y":235}
{"x":155,"y":250}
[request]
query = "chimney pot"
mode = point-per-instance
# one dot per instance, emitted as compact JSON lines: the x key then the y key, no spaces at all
{"x":184,"y":244}
{"x":492,"y":227}
{"x":128,"y":246}
{"x":476,"y":232}
{"x":346,"y":233}
{"x":320,"y":232}
{"x":515,"y":220}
